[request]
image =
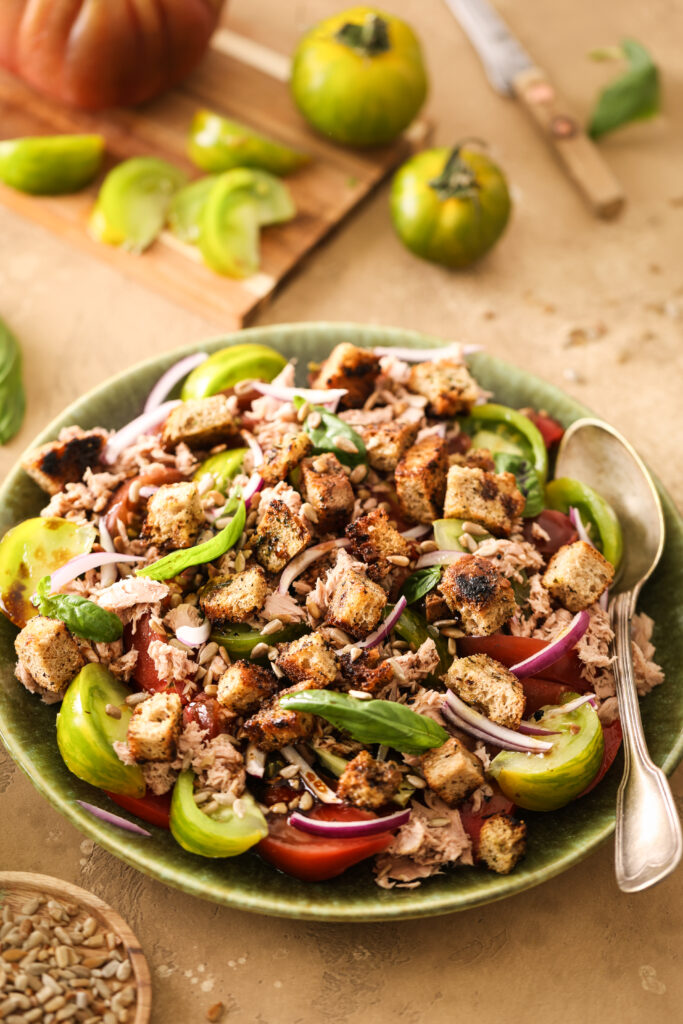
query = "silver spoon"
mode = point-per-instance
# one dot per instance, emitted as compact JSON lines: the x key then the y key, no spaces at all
{"x":648,"y":842}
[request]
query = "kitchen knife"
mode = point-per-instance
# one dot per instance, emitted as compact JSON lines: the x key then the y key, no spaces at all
{"x":512,"y":72}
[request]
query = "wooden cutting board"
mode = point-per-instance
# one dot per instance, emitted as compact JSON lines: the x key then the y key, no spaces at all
{"x":245,"y":81}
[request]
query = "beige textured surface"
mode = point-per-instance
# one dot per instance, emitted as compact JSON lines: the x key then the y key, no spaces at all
{"x":574,"y":950}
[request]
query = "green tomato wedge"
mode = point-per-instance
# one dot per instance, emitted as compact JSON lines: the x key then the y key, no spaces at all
{"x":219,"y":144}
{"x":31,"y":550}
{"x":447,"y":534}
{"x":545,"y":782}
{"x":85,"y":732}
{"x":185,"y":211}
{"x":519,"y":436}
{"x":51,"y":165}
{"x":564,"y":493}
{"x":239,"y":640}
{"x":331,"y":762}
{"x":133,"y":202}
{"x":226,"y":367}
{"x":224,"y":467}
{"x":223,"y":834}
{"x":498,"y":441}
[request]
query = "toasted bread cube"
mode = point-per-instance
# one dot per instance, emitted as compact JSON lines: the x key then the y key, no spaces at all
{"x":174,"y":516}
{"x":326,"y":487}
{"x":280,"y":459}
{"x":49,"y":653}
{"x":357,"y":605}
{"x":502,"y":843}
{"x":447,"y":384}
{"x":577,"y":575}
{"x":482,"y":598}
{"x":488,"y":687}
{"x":199,"y":423}
{"x":154,"y":728}
{"x":475,"y":458}
{"x":436,"y":607}
{"x":64,"y":461}
{"x":352,"y":368}
{"x":452,"y":771}
{"x":272,"y":727}
{"x":387,"y":443}
{"x":308,"y":658}
{"x":368,"y":783}
{"x":234,"y":597}
{"x":421,"y":480}
{"x":374,"y":540}
{"x":243,"y":686}
{"x":280,"y":536}
{"x":491,"y":499}
{"x":367,"y":672}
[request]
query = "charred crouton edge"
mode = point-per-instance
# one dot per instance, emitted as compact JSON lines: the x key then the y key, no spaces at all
{"x":243,"y":686}
{"x":280,"y":459}
{"x":326,"y":487}
{"x":280,"y":536}
{"x":154,"y":728}
{"x":367,"y":672}
{"x":387,"y":443}
{"x":421,"y":480}
{"x":199,"y":423}
{"x":452,"y":771}
{"x":234,"y":597}
{"x":309,"y":658}
{"x":368,"y":783}
{"x":352,"y":368}
{"x":174,"y":516}
{"x":482,"y":598}
{"x":446,"y":384}
{"x":374,"y":539}
{"x":356,"y":605}
{"x":577,"y":575}
{"x":273,"y":727}
{"x":502,"y":843}
{"x":62,"y":462}
{"x":49,"y":653}
{"x":489,"y":687}
{"x":491,"y":499}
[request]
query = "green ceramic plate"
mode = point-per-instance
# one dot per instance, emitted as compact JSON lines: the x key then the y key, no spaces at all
{"x":556,"y":841}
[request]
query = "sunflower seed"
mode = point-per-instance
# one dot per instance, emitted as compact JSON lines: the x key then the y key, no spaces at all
{"x":271,"y":627}
{"x":401,"y":560}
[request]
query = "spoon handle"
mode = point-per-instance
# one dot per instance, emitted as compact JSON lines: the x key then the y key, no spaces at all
{"x":648,"y":841}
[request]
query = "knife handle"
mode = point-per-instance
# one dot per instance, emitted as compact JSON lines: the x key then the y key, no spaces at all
{"x":578,"y":154}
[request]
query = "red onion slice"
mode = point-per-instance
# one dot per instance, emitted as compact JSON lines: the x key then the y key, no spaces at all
{"x":416,"y":531}
{"x":306,"y":558}
{"x":562,"y":643}
{"x":578,"y":524}
{"x":255,"y":761}
{"x":311,"y":780}
{"x":385,"y":629}
{"x":439,"y":558}
{"x":147,"y":490}
{"x":253,"y":484}
{"x":254,"y":448}
{"x":348,"y":829}
{"x":587,"y":698}
{"x":168,"y":380}
{"x":491,"y":731}
{"x":82,"y":563}
{"x":423,"y":355}
{"x":194,"y":636}
{"x":108,"y":574}
{"x":535,"y":730}
{"x":114,"y":819}
{"x":329,"y":397}
{"x":132,"y":431}
{"x":482,"y":734}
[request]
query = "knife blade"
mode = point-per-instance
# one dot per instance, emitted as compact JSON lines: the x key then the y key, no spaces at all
{"x":501,"y":54}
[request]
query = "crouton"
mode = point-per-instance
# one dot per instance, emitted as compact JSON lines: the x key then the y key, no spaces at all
{"x":234,"y":597}
{"x":243,"y":686}
{"x":352,"y":368}
{"x":475,"y":458}
{"x":308,"y":658}
{"x":326,"y":487}
{"x":436,"y":607}
{"x":280,"y":536}
{"x":272,"y":727}
{"x":62,"y":462}
{"x":502,"y":843}
{"x":577,"y":575}
{"x":199,"y":423}
{"x":49,"y":653}
{"x":368,"y":783}
{"x":452,"y":771}
{"x":489,"y":687}
{"x":387,"y":443}
{"x":366,"y":672}
{"x":280,"y":459}
{"x":479,"y":595}
{"x":154,"y":728}
{"x":491,"y":499}
{"x":447,"y":384}
{"x":356,"y":605}
{"x":374,"y":540}
{"x":421,"y":480}
{"x":174,"y":516}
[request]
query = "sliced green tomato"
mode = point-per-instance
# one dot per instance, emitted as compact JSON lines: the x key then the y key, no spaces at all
{"x":229,"y":236}
{"x":224,"y":467}
{"x":133,"y":202}
{"x":447,"y":534}
{"x":185,"y":211}
{"x":223,"y":834}
{"x":31,"y":550}
{"x":332,"y":762}
{"x":85,"y":732}
{"x":219,"y":144}
{"x":226,"y":367}
{"x":515,"y":429}
{"x":544,"y":782}
{"x":51,"y":165}
{"x":499,"y":440}
{"x":239,"y":640}
{"x":564,"y":493}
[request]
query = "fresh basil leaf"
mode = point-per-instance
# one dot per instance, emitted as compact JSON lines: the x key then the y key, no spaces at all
{"x":420,"y":583}
{"x":371,"y":721}
{"x":82,"y":617}
{"x":329,"y":431}
{"x":527,"y":481}
{"x":12,"y":396}
{"x":633,"y":96}
{"x":177,"y":561}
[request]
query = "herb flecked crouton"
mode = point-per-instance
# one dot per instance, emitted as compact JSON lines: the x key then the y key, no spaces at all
{"x":368,"y":783}
{"x":352,"y":368}
{"x":280,"y":459}
{"x":49,"y":653}
{"x":280,"y":536}
{"x":62,"y":462}
{"x":482,"y":598}
{"x":374,"y":540}
{"x":475,"y":458}
{"x":199,"y":423}
{"x":234,"y":597}
{"x":421,"y":480}
{"x":326,"y":487}
{"x":154,"y":728}
{"x":356,"y":605}
{"x":447,"y":385}
{"x":502,"y":843}
{"x":452,"y":771}
{"x":273,"y":727}
{"x":491,"y":499}
{"x":308,"y":658}
{"x":489,"y":687}
{"x":174,"y":516}
{"x":243,"y":686}
{"x":577,"y":575}
{"x":387,"y":443}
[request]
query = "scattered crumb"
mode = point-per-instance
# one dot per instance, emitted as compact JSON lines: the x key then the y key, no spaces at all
{"x":655,"y":268}
{"x":582,"y":335}
{"x":215,"y":1012}
{"x":573,"y":376}
{"x":489,"y":314}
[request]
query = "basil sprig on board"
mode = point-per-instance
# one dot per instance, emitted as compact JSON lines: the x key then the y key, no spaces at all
{"x":371,"y":721}
{"x":177,"y":561}
{"x":633,"y":96}
{"x":329,"y":431}
{"x":527,"y":480}
{"x":12,"y":396}
{"x":420,"y":583}
{"x":82,"y":617}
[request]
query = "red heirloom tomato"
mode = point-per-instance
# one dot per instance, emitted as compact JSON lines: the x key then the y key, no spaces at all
{"x":104,"y":53}
{"x":151,"y":808}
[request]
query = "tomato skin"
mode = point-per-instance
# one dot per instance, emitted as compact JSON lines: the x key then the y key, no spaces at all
{"x":472,"y":821}
{"x":145,"y":673}
{"x":540,"y":692}
{"x":557,"y":525}
{"x":551,"y":431}
{"x":510,"y":650}
{"x":316,"y":858}
{"x":151,"y":808}
{"x":208,"y":714}
{"x":121,"y":507}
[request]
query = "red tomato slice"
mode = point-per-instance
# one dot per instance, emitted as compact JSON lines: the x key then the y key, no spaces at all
{"x":150,"y":807}
{"x":145,"y":673}
{"x":316,"y":858}
{"x":473,"y":820}
{"x":209,"y":715}
{"x":539,"y":692}
{"x":613,"y":736}
{"x":557,"y":525}
{"x":510,"y":650}
{"x":551,"y":431}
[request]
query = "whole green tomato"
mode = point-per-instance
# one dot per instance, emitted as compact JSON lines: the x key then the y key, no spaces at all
{"x":358,"y":77}
{"x":450,"y":206}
